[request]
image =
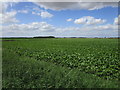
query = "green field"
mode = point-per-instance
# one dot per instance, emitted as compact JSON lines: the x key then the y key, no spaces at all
{"x":60,"y":63}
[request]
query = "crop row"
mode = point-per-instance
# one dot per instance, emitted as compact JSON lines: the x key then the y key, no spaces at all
{"x":102,"y":64}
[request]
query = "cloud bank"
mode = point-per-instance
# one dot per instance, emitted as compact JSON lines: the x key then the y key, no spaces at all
{"x":76,"y":5}
{"x":43,"y":28}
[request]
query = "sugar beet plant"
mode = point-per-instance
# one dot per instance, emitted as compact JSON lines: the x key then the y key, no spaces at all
{"x":98,"y":57}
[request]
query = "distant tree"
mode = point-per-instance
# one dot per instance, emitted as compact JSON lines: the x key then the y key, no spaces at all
{"x":44,"y":37}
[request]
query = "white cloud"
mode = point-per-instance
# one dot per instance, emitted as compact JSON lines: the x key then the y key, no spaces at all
{"x":76,"y":5}
{"x":107,"y":30}
{"x":88,"y":20}
{"x":106,"y":27}
{"x":35,"y":26}
{"x":23,"y":11}
{"x":70,"y":19}
{"x":9,"y":17}
{"x":46,"y":14}
{"x":3,"y":7}
{"x":43,"y":28}
{"x":80,"y":21}
{"x":43,"y":14}
{"x":35,"y":13}
{"x":117,"y":20}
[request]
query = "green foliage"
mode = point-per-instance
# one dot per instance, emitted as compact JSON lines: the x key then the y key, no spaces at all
{"x":47,"y":61}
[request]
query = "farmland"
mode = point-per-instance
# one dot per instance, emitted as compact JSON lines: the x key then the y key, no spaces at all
{"x":61,"y":62}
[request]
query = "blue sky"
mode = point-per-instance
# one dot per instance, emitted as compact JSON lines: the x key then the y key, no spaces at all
{"x":85,"y":19}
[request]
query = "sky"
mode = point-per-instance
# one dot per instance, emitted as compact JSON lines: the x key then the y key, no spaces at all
{"x":59,"y":19}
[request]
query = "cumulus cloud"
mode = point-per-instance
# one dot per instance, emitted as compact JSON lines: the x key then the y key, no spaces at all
{"x":117,"y":20}
{"x":107,"y":30}
{"x":43,"y":14}
{"x":70,"y":19}
{"x":6,"y":4}
{"x":89,"y":20}
{"x":46,"y":14}
{"x":43,"y":28}
{"x":106,"y":27}
{"x":75,"y":5}
{"x":36,"y":13}
{"x":9,"y":17}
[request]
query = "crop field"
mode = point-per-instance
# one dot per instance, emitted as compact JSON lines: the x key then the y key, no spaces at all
{"x":60,"y":63}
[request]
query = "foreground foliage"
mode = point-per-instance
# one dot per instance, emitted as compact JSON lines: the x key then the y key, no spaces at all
{"x":88,"y":61}
{"x":24,"y":72}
